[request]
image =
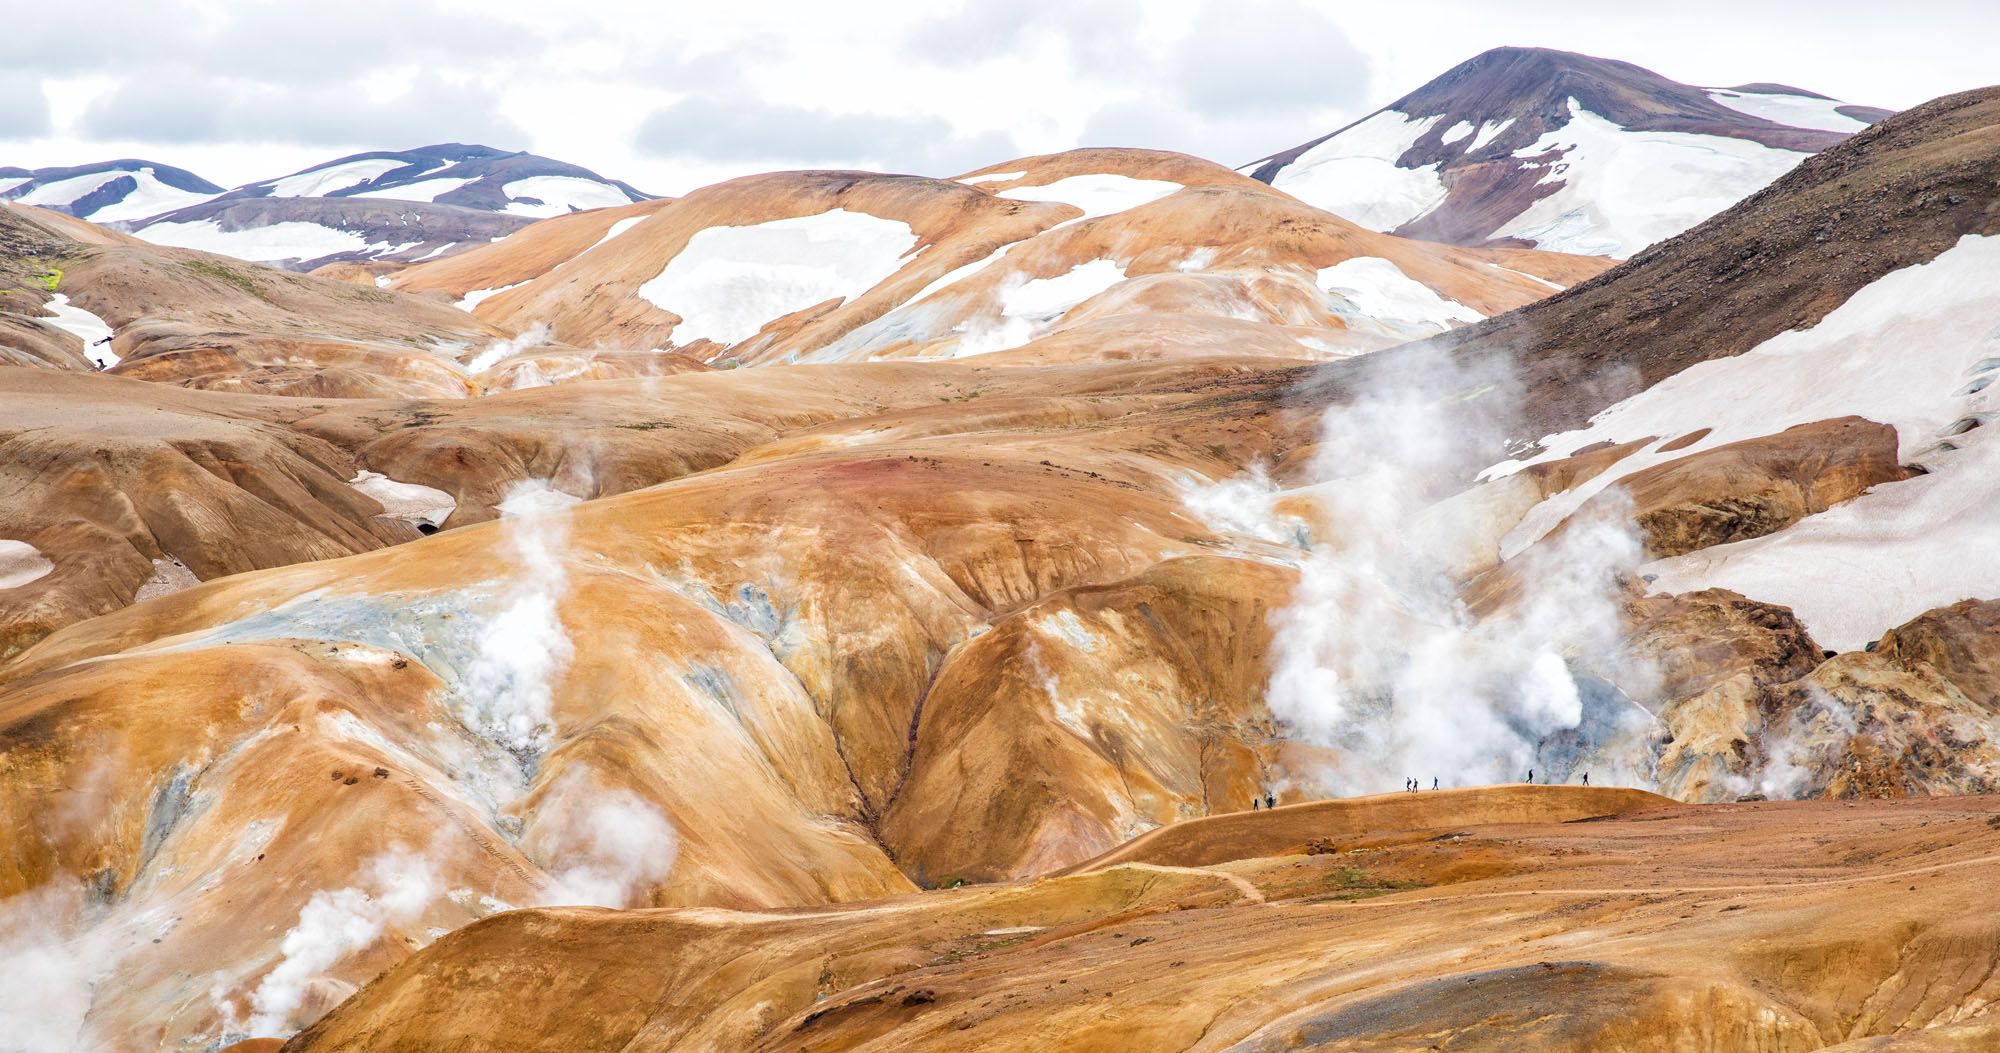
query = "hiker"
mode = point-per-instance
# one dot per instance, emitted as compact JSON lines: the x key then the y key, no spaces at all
{"x":1406,"y":784}
{"x":1270,"y":801}
{"x":1434,"y":782}
{"x":1586,"y":778}
{"x":1531,"y":776}
{"x":1255,"y":804}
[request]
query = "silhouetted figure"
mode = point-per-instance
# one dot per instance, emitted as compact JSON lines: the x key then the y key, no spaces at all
{"x":1270,"y":801}
{"x":1434,"y":782}
{"x":1256,"y":803}
{"x":1586,"y":778}
{"x":1531,"y":776}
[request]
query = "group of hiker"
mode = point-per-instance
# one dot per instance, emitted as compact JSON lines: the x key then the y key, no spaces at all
{"x":1409,"y":786}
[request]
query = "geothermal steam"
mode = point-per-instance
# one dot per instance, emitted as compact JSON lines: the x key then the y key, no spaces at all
{"x":605,"y":845}
{"x":509,"y":686}
{"x":395,"y":889}
{"x":1379,"y":660}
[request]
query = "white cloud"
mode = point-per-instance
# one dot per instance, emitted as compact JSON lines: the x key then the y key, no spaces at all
{"x":619,"y":86}
{"x":188,"y":107}
{"x":24,"y":107}
{"x":713,"y":128}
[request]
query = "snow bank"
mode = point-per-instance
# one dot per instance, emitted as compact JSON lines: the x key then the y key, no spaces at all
{"x":1622,"y":190}
{"x":560,"y":194}
{"x":1488,"y":133}
{"x":1045,"y":299}
{"x":1097,"y":195}
{"x":149,"y":198}
{"x":472,"y":299}
{"x":729,"y":281}
{"x":21,"y":563}
{"x":1381,"y":292}
{"x":407,"y":501}
{"x":1872,"y":563}
{"x":290,"y":240}
{"x":993,"y":177}
{"x":1354,"y":173}
{"x":421,"y":190}
{"x":1799,"y":111}
{"x":617,"y":228}
{"x":322,"y":181}
{"x":84,"y":326}
{"x":1027,"y":308}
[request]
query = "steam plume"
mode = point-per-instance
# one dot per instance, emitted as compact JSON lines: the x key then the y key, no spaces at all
{"x":509,"y":686}
{"x":396,"y":887}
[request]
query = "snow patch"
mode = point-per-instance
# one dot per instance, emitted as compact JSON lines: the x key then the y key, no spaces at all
{"x":421,"y":190}
{"x":149,"y":198}
{"x":1797,"y":111}
{"x":559,"y":195}
{"x":1379,"y":290}
{"x":83,"y":325}
{"x":1097,"y":195}
{"x":993,"y":177}
{"x":1621,"y":190}
{"x":1488,"y":133}
{"x":472,"y":299}
{"x":407,"y":501}
{"x":21,"y":563}
{"x":1354,"y":174}
{"x":729,"y":282}
{"x":1882,"y":558}
{"x":617,"y":228}
{"x":1045,"y":299}
{"x":323,"y":181}
{"x":290,"y":240}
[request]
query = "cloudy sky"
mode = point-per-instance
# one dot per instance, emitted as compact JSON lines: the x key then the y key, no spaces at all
{"x":673,"y":95}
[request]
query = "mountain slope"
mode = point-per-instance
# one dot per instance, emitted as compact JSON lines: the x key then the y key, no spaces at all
{"x":470,"y":176}
{"x":396,"y":206}
{"x":1566,"y":152}
{"x":1049,"y":258}
{"x":109,"y":191}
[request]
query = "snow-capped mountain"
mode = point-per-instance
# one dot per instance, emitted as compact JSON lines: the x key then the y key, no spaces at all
{"x":1566,"y":152}
{"x":403,"y":205}
{"x":108,"y":191}
{"x":470,"y":176}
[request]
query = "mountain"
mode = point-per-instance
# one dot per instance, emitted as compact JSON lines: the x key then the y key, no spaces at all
{"x":476,"y":177}
{"x":847,"y":610}
{"x":1527,"y":146}
{"x":398,"y":206}
{"x":109,"y":191}
{"x":1066,"y":256}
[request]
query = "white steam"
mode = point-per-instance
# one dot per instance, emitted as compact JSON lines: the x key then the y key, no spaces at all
{"x":1797,"y":752}
{"x":604,"y":846}
{"x":395,"y":889}
{"x":509,"y":687}
{"x":534,"y":336}
{"x":46,"y":998}
{"x":1377,"y":657}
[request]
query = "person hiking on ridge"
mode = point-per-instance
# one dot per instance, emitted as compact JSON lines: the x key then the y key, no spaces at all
{"x":1270,"y":801}
{"x":1531,"y":776}
{"x":1586,"y":778}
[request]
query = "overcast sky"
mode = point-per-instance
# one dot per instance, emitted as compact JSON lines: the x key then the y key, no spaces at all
{"x":670,"y":96}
